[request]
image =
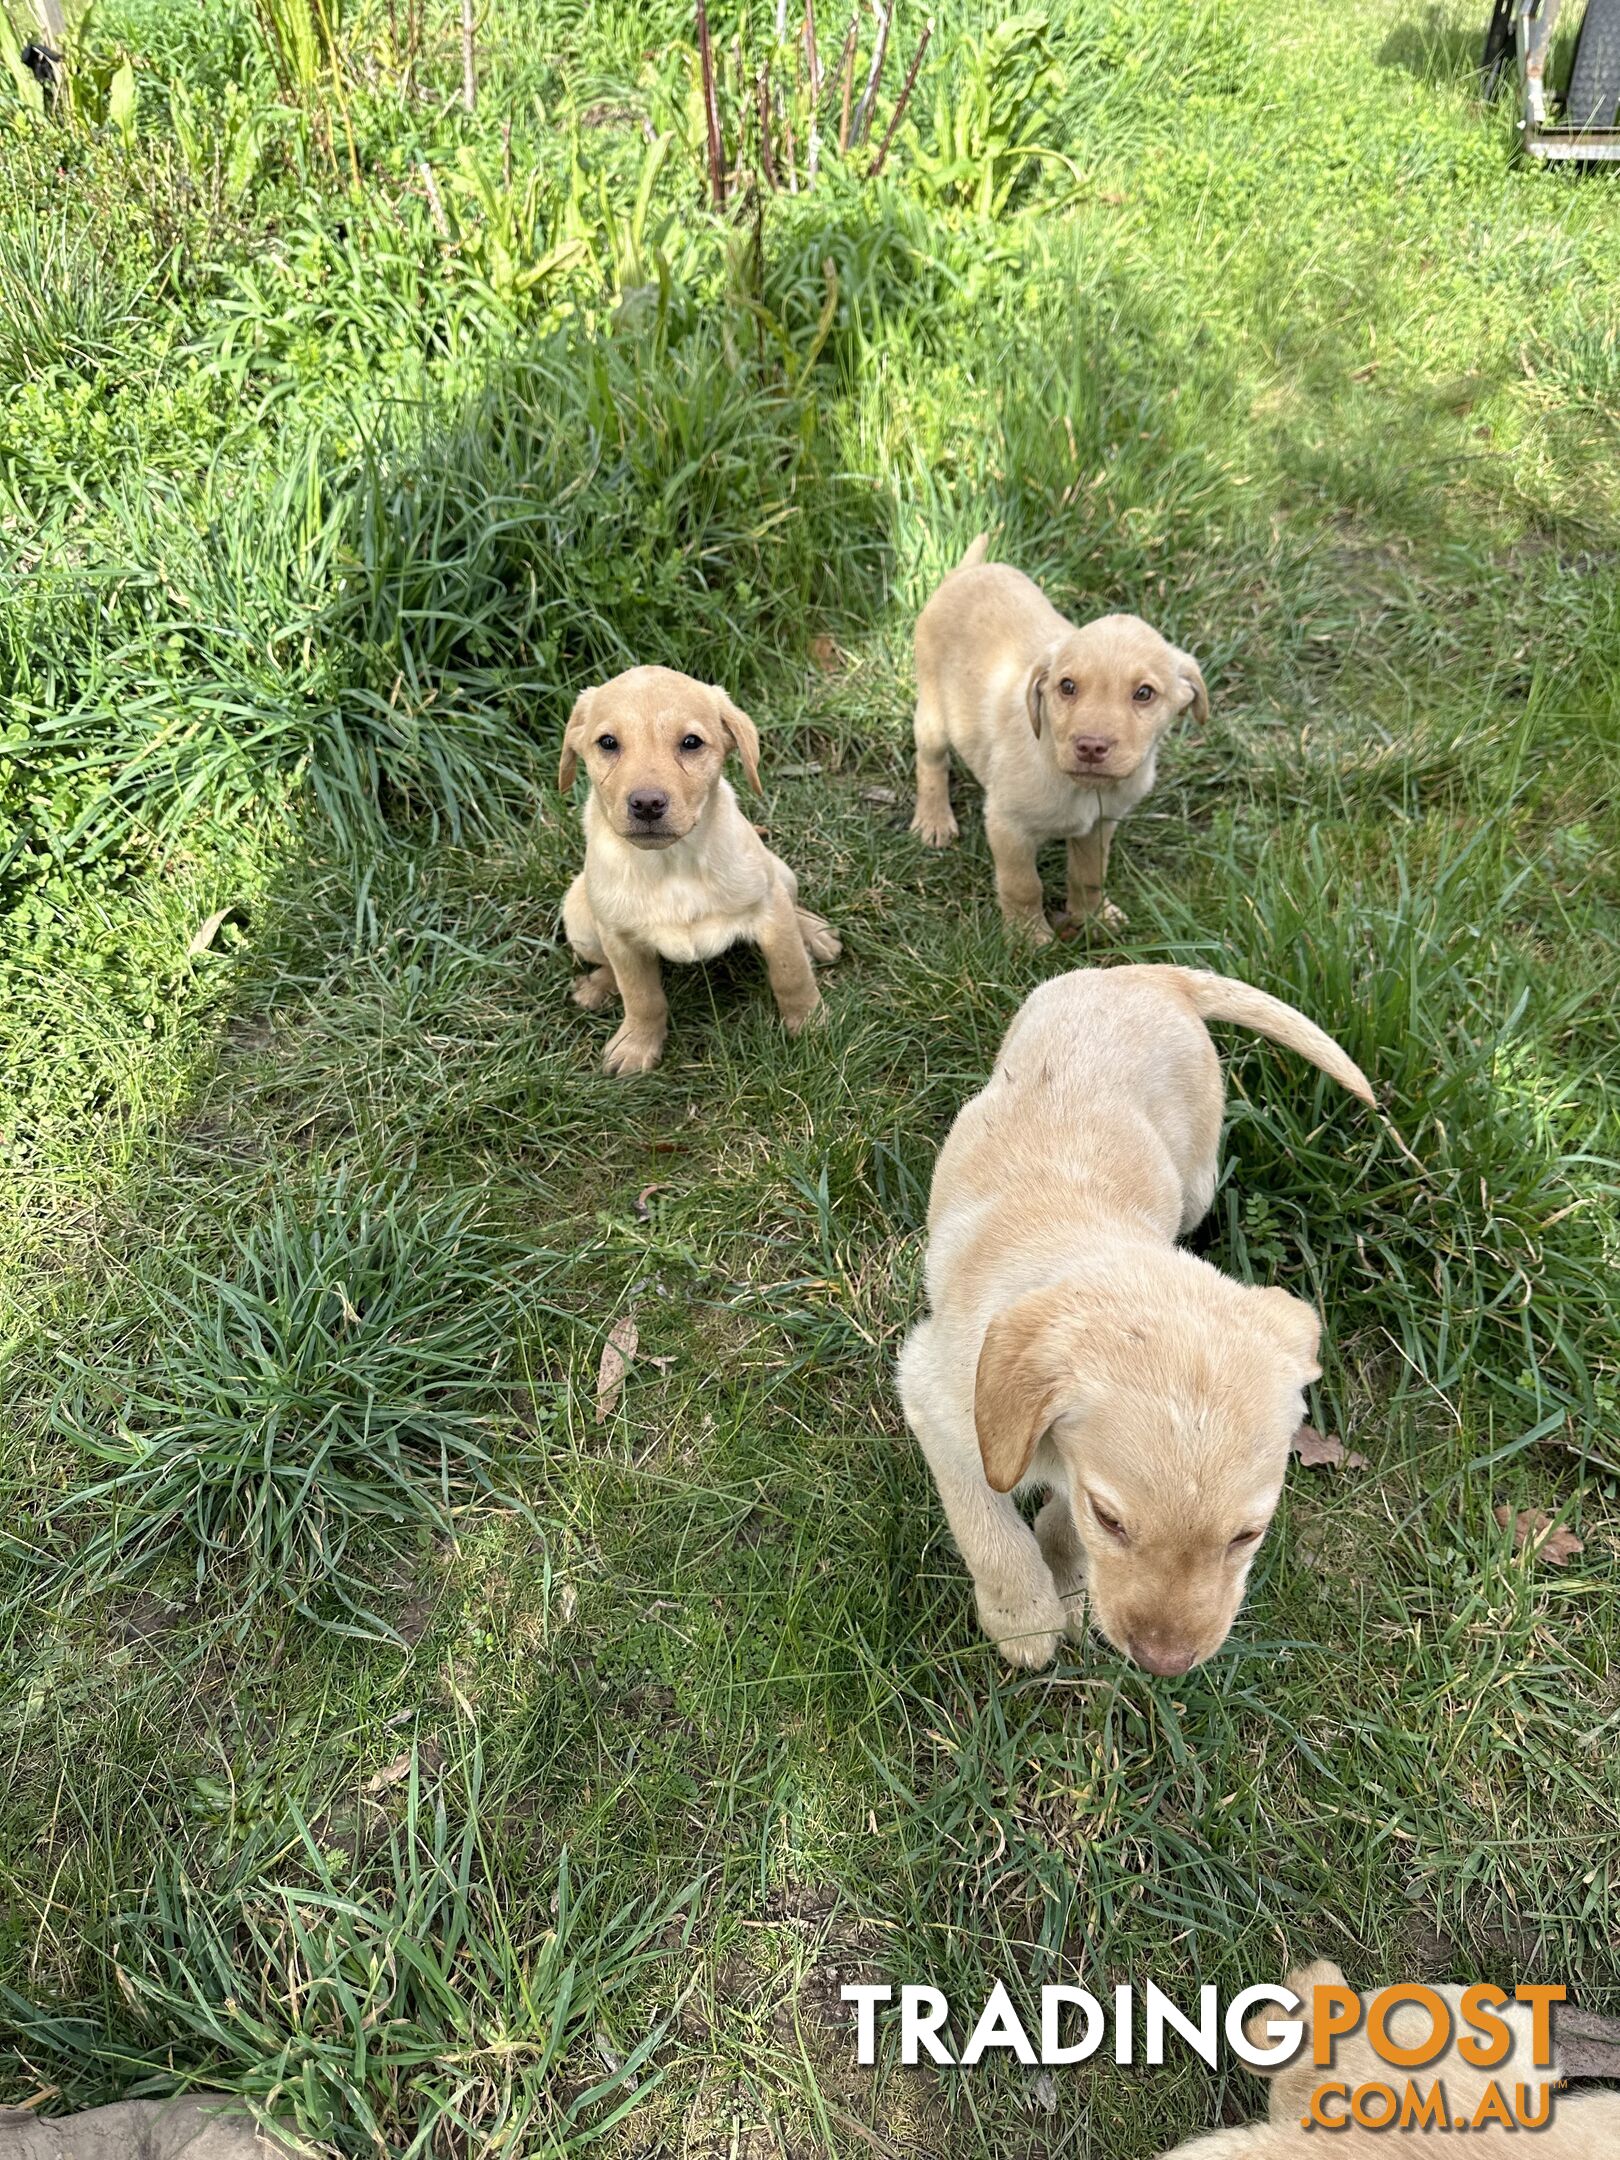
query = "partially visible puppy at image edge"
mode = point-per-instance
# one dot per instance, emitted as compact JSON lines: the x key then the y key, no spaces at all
{"x":1583,"y":2127}
{"x":673,"y":870}
{"x":1071,"y":1346}
{"x":1058,"y":722}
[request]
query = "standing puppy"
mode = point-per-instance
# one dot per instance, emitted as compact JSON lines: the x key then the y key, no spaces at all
{"x":1072,"y":1347}
{"x":1059,"y":724}
{"x":673,"y":869}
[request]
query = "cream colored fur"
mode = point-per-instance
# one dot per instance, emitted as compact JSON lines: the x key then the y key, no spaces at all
{"x":1071,"y":1347}
{"x":682,"y":884}
{"x":1059,"y":723}
{"x":1584,"y":2126}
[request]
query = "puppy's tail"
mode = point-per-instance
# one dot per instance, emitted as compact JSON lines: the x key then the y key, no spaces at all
{"x":976,"y":553}
{"x":1221,"y":997}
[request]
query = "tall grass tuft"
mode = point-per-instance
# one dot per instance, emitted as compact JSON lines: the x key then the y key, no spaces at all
{"x":251,"y":1413}
{"x":423,"y":2002}
{"x":65,"y":307}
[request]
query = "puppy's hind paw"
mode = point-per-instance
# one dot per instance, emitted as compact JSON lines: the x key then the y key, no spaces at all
{"x":821,"y":941}
{"x":1099,"y":920}
{"x":595,"y":990}
{"x":1025,"y":1634}
{"x":935,"y":829}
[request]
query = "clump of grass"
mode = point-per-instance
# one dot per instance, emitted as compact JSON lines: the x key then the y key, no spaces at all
{"x":65,"y":307}
{"x":395,"y":625}
{"x":250,"y":1414}
{"x":425,"y":2002}
{"x":663,"y":492}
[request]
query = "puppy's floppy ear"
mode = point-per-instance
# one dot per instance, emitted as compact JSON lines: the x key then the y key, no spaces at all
{"x":573,"y":740}
{"x":1015,"y":1389}
{"x":1035,"y":696}
{"x":1295,"y":1327}
{"x":741,"y":734}
{"x":1191,"y":678}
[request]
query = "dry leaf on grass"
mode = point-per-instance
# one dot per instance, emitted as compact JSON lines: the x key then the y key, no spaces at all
{"x":207,"y":930}
{"x":1315,"y":1449}
{"x":429,"y":1755}
{"x":617,"y":1352}
{"x":827,"y":655}
{"x":389,"y":1774}
{"x":1534,"y":1527}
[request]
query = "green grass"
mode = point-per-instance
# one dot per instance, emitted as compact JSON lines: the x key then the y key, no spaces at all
{"x":386,"y":1735}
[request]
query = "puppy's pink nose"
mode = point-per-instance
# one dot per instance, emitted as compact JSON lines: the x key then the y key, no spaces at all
{"x":1166,"y":1659}
{"x":1092,"y":749}
{"x":648,"y":806}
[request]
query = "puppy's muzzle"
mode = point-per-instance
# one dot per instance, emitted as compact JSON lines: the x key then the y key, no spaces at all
{"x":1089,"y":755}
{"x":1155,"y":1654}
{"x":647,"y":814}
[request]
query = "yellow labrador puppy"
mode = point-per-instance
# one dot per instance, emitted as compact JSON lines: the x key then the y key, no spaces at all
{"x":1071,"y":1345}
{"x":1582,"y":2128}
{"x":673,"y":870}
{"x":1059,"y":723}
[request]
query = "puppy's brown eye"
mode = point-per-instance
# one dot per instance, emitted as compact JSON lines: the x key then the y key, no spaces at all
{"x":1067,"y":686}
{"x":1144,"y":693}
{"x":1110,"y":1523}
{"x":691,"y":742}
{"x":607,"y":742}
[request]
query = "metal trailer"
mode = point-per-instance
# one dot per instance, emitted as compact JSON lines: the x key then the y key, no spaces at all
{"x":1587,"y":127}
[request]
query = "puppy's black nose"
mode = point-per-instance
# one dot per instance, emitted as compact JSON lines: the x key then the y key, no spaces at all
{"x":1092,"y":749}
{"x":649,"y":806}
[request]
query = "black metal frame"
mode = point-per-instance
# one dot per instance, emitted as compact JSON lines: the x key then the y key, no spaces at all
{"x":1524,"y":29}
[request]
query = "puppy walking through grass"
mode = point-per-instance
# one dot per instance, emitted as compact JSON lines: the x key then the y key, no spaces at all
{"x":673,"y":870}
{"x":1059,"y":723}
{"x":1072,"y":1346}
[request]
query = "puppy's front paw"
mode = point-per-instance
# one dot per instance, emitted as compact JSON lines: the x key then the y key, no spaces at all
{"x":594,"y":990}
{"x":632,"y":1050}
{"x":935,"y":828}
{"x":1029,"y":929}
{"x":1064,"y":1554}
{"x":1026,"y":1633}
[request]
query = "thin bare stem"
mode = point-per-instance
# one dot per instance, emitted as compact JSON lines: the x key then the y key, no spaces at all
{"x":904,"y":99}
{"x":863,"y":112}
{"x":762,"y":89}
{"x":846,"y":68}
{"x":711,"y":109}
{"x":469,"y":55}
{"x":441,"y":223}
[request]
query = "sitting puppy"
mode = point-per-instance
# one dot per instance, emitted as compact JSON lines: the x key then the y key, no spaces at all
{"x":1583,"y":2128}
{"x":1072,"y":1346}
{"x":1059,"y":724}
{"x":672,"y":867}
